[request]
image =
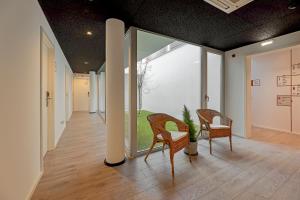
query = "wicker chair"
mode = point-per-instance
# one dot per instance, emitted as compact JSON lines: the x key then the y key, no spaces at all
{"x":176,"y":140}
{"x":206,"y":117}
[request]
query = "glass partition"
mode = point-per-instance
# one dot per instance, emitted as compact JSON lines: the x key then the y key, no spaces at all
{"x":214,"y":72}
{"x":126,"y":93}
{"x":101,"y":92}
{"x":168,"y":77}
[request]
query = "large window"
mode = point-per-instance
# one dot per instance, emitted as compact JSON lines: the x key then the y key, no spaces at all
{"x":101,"y":92}
{"x":168,"y":77}
{"x":126,"y":93}
{"x":161,"y":76}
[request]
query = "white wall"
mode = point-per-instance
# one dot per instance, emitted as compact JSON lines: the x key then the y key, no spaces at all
{"x":296,"y":99}
{"x":265,"y":112}
{"x":174,"y":80}
{"x":236,"y":73}
{"x":69,"y":92}
{"x":20,"y":23}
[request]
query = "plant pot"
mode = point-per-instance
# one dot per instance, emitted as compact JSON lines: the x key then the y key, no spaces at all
{"x":192,"y":149}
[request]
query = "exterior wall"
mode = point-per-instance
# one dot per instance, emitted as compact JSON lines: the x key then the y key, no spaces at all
{"x":20,"y":23}
{"x":172,"y":81}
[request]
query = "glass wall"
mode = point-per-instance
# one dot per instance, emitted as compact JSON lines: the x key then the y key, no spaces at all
{"x":101,"y":91}
{"x":214,"y":72}
{"x":168,"y":77}
{"x":126,"y":92}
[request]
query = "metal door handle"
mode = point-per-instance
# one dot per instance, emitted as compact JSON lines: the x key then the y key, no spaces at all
{"x":207,"y":98}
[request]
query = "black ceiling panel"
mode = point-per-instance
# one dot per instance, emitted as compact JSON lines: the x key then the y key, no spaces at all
{"x":190,"y":20}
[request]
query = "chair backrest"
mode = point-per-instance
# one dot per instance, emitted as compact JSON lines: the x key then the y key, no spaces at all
{"x":158,"y":121}
{"x":207,"y":114}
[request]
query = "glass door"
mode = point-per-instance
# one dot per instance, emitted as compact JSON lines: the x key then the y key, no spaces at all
{"x":213,"y":97}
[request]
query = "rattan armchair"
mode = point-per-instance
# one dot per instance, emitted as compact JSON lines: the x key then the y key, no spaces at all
{"x":206,"y":117}
{"x":176,"y":140}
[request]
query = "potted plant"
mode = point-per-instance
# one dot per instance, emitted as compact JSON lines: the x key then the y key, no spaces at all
{"x":192,"y":149}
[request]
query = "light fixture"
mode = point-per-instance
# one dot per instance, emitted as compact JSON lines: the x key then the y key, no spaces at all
{"x":266,"y":43}
{"x":86,"y":62}
{"x":126,"y":70}
{"x":168,"y":48}
{"x":292,"y":5}
{"x":89,"y":33}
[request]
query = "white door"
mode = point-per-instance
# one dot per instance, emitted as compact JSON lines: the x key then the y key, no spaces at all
{"x":47,"y":95}
{"x":81,"y":93}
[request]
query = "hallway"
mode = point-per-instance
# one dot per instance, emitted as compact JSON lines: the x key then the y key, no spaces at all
{"x":255,"y":170}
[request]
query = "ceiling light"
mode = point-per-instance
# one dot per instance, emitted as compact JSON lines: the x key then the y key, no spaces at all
{"x":86,"y":62}
{"x":89,"y":33}
{"x":168,"y":48}
{"x":292,"y":5}
{"x":126,"y":70}
{"x":266,"y":43}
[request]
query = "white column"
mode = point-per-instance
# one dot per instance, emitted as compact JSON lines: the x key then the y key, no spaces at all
{"x":115,"y":148}
{"x":93,"y":92}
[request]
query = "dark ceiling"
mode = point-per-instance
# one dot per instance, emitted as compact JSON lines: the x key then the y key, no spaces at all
{"x":190,"y":20}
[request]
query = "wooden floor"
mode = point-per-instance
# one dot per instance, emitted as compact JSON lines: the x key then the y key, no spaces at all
{"x":254,"y":170}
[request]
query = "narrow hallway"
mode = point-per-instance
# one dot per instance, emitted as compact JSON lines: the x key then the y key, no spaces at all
{"x":76,"y":161}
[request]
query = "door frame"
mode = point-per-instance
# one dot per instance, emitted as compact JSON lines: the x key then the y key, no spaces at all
{"x":44,"y":40}
{"x":204,"y":65}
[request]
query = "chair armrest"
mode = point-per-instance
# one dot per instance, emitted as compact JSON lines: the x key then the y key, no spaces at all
{"x":180,"y":125}
{"x":227,"y":120}
{"x":166,"y":135}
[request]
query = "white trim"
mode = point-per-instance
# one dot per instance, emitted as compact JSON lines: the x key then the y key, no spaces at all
{"x":274,"y":129}
{"x":33,"y":188}
{"x":271,"y":129}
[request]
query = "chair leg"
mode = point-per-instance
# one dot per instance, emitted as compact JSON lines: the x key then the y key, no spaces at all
{"x":163,"y":147}
{"x":201,"y":131}
{"x":153,"y":143}
{"x":230,"y":141}
{"x":172,"y":162}
{"x":190,"y":157}
{"x":210,"y":151}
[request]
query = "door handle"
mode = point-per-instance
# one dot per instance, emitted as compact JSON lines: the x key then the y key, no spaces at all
{"x":206,"y":98}
{"x":48,"y":98}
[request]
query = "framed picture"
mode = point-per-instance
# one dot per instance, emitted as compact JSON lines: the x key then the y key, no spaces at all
{"x":255,"y":82}
{"x":284,"y":100}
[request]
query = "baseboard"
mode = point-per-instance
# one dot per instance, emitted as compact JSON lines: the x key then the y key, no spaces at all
{"x":29,"y":196}
{"x":271,"y":128}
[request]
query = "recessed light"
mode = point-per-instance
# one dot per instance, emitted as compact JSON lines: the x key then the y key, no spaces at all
{"x":89,"y":33}
{"x":266,"y":43}
{"x":86,"y":62}
{"x":168,"y":48}
{"x":292,"y":5}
